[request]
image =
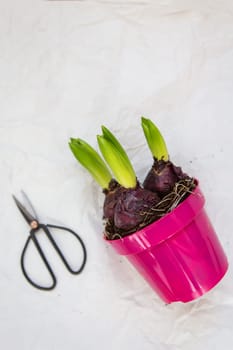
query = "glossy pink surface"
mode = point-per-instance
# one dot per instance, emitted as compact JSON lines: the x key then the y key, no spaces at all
{"x":179,"y":255}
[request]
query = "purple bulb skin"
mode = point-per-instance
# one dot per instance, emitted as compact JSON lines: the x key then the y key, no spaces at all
{"x":131,"y":205}
{"x":111,"y":196}
{"x":124,"y":208}
{"x":162,"y":177}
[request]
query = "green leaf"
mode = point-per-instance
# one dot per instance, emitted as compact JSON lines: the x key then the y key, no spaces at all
{"x":155,"y":140}
{"x":91,"y":160}
{"x":111,"y":138}
{"x":117,"y":159}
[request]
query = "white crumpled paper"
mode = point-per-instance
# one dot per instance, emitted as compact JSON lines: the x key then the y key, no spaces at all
{"x":66,"y":68}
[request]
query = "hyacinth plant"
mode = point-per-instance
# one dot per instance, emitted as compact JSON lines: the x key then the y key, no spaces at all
{"x":129,"y":206}
{"x":164,"y":178}
{"x":126,"y":212}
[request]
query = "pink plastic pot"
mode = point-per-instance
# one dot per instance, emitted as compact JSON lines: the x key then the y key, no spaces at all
{"x":179,"y":255}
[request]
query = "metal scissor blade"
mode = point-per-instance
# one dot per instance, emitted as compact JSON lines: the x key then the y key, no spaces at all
{"x":27,"y":216}
{"x":29,"y":205}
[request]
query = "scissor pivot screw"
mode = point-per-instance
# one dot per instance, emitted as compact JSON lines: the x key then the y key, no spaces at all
{"x":34,"y":224}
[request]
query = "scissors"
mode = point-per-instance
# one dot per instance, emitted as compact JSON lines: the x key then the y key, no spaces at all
{"x":36,"y":226}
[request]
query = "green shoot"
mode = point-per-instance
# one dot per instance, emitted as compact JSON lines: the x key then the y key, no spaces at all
{"x":155,"y":140}
{"x":91,"y":160}
{"x":111,"y":138}
{"x":117,"y":159}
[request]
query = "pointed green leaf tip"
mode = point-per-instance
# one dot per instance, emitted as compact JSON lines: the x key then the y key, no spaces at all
{"x":155,"y":140}
{"x":111,"y":138}
{"x":117,"y":159}
{"x":91,"y":160}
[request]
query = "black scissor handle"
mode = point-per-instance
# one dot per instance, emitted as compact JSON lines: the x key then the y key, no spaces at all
{"x":32,"y":237}
{"x":43,"y":257}
{"x":53,"y":242}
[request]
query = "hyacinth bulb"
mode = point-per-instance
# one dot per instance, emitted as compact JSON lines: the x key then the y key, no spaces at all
{"x":162,"y":177}
{"x":131,"y":207}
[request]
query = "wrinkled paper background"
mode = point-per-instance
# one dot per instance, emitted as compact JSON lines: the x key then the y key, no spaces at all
{"x":66,"y":68}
